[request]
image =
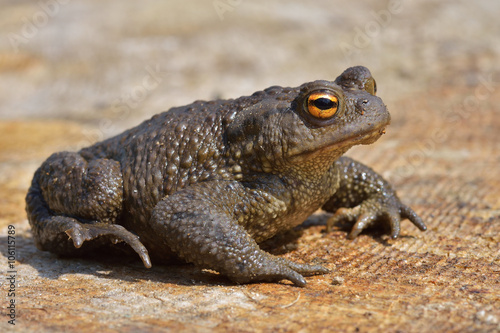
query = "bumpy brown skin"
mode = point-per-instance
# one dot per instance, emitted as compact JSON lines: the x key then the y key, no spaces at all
{"x":208,"y":181}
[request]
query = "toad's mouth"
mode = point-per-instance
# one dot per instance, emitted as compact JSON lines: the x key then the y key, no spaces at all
{"x":370,"y":137}
{"x":336,"y":149}
{"x":362,"y":139}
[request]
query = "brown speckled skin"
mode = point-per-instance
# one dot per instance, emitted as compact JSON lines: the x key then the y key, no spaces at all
{"x":208,"y":181}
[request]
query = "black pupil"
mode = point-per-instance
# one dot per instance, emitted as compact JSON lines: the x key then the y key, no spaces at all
{"x":324,"y":103}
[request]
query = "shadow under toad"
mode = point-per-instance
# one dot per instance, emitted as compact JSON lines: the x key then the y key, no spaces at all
{"x":120,"y":262}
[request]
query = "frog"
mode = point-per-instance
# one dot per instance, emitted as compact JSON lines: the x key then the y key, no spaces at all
{"x":208,"y":182}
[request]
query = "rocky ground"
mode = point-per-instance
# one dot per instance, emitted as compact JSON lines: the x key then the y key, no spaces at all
{"x":73,"y":72}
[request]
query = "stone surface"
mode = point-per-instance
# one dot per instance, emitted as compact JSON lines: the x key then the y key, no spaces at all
{"x":73,"y":72}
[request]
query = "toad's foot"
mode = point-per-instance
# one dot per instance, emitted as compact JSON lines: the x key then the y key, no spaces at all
{"x":386,"y":209}
{"x":274,"y":269}
{"x":80,"y":232}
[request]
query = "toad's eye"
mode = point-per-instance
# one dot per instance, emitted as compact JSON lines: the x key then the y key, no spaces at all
{"x":322,"y":105}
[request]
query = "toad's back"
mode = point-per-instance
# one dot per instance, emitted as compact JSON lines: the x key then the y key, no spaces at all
{"x":163,"y":154}
{"x":172,"y":150}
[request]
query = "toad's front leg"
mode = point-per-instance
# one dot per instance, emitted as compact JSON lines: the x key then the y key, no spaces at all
{"x":198,"y":223}
{"x":366,"y":198}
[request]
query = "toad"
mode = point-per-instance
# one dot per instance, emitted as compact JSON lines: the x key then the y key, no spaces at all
{"x":207,"y":182}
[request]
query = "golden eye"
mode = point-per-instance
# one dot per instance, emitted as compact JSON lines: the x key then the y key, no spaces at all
{"x":322,"y":104}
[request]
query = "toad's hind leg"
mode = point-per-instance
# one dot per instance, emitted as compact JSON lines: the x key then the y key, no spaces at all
{"x":72,"y":201}
{"x":197,"y":224}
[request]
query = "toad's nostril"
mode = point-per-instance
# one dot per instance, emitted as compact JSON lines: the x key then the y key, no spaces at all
{"x":363,"y":104}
